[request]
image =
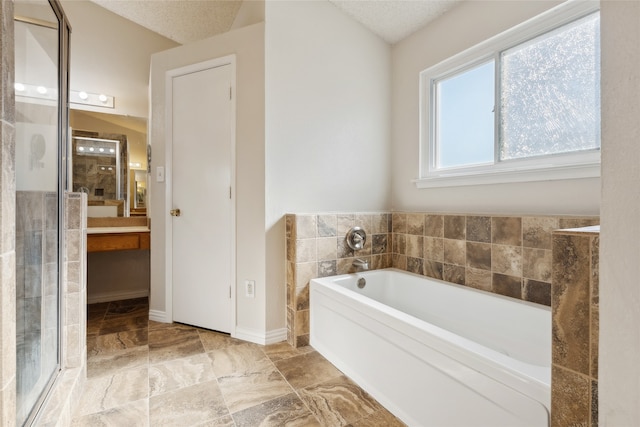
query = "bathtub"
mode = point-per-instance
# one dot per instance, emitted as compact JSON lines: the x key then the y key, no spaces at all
{"x":435,"y":353}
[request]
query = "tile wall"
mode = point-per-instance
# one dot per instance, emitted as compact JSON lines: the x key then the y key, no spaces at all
{"x":575,"y":308}
{"x":316,"y":247}
{"x":507,"y":255}
{"x":7,"y":220}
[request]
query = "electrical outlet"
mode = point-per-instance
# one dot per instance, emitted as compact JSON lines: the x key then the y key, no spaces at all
{"x":250,"y":288}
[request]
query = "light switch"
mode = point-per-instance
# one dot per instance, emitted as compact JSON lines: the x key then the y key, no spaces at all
{"x":160,"y":174}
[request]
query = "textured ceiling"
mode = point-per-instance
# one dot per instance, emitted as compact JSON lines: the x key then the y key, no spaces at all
{"x":394,"y":20}
{"x":182,"y":21}
{"x":189,"y":20}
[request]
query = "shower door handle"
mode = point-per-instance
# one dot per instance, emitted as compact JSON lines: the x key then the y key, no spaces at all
{"x":175,"y":212}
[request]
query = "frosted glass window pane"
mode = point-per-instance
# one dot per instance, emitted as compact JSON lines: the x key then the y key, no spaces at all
{"x":465,"y":118}
{"x":550,"y":92}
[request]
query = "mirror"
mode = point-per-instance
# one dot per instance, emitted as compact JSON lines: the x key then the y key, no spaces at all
{"x":99,"y":168}
{"x":127,"y":136}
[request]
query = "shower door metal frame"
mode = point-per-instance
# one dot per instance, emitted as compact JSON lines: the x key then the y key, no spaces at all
{"x":64,"y":29}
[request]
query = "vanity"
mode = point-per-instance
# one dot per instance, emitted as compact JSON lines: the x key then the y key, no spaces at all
{"x":118,"y":234}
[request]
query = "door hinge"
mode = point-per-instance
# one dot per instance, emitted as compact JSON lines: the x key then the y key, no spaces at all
{"x":230,"y":192}
{"x":229,"y":292}
{"x":230,"y":93}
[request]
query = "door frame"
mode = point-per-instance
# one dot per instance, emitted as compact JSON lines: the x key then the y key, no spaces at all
{"x":229,"y":60}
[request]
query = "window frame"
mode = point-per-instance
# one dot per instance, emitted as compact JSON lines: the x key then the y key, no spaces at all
{"x":572,"y":165}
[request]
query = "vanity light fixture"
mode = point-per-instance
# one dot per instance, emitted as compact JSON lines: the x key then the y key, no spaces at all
{"x":93,"y":99}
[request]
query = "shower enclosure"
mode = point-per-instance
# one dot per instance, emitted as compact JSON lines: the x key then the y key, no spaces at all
{"x":41,"y":87}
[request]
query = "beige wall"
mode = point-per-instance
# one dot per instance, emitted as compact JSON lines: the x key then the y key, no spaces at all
{"x":620,"y":232}
{"x":111,"y":55}
{"x":248,"y":45}
{"x":461,"y":28}
{"x":327,"y":123}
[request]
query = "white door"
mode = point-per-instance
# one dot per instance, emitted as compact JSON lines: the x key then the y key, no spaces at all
{"x":201,"y":182}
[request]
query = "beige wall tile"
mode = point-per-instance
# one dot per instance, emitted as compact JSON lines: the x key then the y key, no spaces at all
{"x":570,"y":398}
{"x":306,"y":226}
{"x":506,"y":230}
{"x":478,"y":279}
{"x":415,"y":265}
{"x":455,"y":227}
{"x":380,"y":223}
{"x":454,"y":274}
{"x":434,"y":225}
{"x":415,"y":224}
{"x":536,"y":231}
{"x":434,"y":248}
{"x":305,"y":271}
{"x":479,"y":229}
{"x":306,"y":250}
{"x":506,"y":260}
{"x":433,"y":269}
{"x":344,"y":223}
{"x":399,"y":222}
{"x":327,"y":248}
{"x":536,"y":291}
{"x":571,"y":302}
{"x":455,"y":252}
{"x":327,"y":225}
{"x":536,"y":264}
{"x":414,"y":246}
{"x":379,"y":244}
{"x":509,"y":286}
{"x":365,"y":222}
{"x":479,"y":255}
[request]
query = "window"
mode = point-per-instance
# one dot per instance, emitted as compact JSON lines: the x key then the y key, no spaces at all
{"x":523,"y":106}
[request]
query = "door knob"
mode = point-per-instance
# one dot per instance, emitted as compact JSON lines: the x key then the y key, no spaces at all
{"x":175,"y":212}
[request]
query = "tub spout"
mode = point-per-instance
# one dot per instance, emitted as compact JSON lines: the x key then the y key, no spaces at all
{"x":361,"y":264}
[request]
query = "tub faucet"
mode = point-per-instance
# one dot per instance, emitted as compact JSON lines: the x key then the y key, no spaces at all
{"x":361,"y":264}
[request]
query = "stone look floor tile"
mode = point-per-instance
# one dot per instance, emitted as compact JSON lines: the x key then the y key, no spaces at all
{"x":108,"y":392}
{"x":244,"y":390}
{"x":188,"y":406}
{"x":239,"y":360}
{"x":135,"y":414}
{"x":287,"y":410}
{"x":146,"y":373}
{"x":338,"y":402}
{"x":173,"y":343}
{"x":307,"y":369}
{"x":283,"y":350}
{"x":180,"y":373}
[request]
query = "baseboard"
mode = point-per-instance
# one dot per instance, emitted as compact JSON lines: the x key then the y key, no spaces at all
{"x":158,"y":316}
{"x":258,"y":337}
{"x":116,"y":296}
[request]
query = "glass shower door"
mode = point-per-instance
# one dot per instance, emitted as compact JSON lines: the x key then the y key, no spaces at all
{"x":39,"y":130}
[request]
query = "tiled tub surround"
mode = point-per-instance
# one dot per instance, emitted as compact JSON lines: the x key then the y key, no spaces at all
{"x":507,"y":255}
{"x":316,"y":247}
{"x":575,"y":308}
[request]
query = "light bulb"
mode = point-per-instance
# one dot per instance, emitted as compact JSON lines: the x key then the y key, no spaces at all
{"x":101,"y":150}
{"x":19,"y":87}
{"x":91,"y":149}
{"x":42,"y":90}
{"x":83,"y":95}
{"x":112,"y":150}
{"x":80,"y":148}
{"x":103,"y":98}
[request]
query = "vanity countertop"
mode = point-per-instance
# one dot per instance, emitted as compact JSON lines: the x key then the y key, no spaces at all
{"x":117,"y":230}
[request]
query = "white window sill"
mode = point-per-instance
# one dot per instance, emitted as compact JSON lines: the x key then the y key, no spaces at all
{"x":506,"y":176}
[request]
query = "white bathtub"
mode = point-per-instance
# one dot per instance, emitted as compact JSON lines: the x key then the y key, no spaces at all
{"x":434,"y":353}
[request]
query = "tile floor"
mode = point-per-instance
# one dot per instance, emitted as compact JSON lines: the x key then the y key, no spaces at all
{"x":144,"y":373}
